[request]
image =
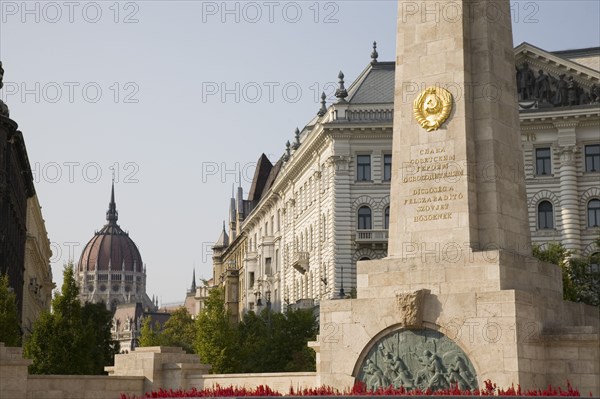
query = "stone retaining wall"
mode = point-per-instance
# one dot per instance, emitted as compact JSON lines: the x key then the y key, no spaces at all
{"x":82,"y":386}
{"x":281,"y":382}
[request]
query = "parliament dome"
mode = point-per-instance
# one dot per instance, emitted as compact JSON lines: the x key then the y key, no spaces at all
{"x":111,"y":249}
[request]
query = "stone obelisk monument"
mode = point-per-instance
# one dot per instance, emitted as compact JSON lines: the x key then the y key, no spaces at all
{"x":459,"y":299}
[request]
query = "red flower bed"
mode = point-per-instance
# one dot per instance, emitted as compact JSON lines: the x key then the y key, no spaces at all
{"x":357,"y":390}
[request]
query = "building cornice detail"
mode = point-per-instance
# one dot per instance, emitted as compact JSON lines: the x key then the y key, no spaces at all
{"x":560,"y":114}
{"x":554,"y":64}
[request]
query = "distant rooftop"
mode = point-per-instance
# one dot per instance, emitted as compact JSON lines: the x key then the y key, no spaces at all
{"x":578,"y":52}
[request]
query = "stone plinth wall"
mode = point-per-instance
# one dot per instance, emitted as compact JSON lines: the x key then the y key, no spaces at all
{"x":510,"y":335}
{"x":572,"y":354}
{"x":456,"y":270}
{"x":82,"y":386}
{"x":281,"y":382}
{"x":13,"y":373}
{"x":138,"y":372}
{"x":162,"y":367}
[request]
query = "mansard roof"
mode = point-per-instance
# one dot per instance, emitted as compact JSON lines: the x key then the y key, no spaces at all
{"x":261,"y":175}
{"x":273,"y":175}
{"x":375,"y":85}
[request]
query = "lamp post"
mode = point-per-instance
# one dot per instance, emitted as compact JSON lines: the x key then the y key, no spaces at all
{"x":342,"y":294}
{"x":268,"y":294}
{"x":257,"y":295}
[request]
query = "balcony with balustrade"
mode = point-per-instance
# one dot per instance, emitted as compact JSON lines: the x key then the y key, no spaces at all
{"x":300,"y":261}
{"x":371,"y":237}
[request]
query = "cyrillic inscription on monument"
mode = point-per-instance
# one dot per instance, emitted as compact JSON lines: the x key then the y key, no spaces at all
{"x":437,"y":165}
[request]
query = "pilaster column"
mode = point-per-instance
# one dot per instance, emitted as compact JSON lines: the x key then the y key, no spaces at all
{"x":569,"y":200}
{"x":342,"y":220}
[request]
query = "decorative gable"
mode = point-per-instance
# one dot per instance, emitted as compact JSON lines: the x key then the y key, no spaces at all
{"x":546,"y":80}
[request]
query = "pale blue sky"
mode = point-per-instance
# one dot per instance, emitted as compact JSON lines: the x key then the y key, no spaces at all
{"x":178,"y":147}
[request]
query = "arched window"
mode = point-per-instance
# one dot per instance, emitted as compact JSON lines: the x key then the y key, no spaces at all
{"x":386,"y":218}
{"x":365,"y":258}
{"x":364,"y":218}
{"x":593,"y":209}
{"x":545,"y":215}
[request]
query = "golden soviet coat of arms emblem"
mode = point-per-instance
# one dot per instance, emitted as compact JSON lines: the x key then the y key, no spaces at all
{"x":432,"y":107}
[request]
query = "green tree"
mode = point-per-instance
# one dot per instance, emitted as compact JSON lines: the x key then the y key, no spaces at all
{"x":255,"y":337}
{"x":180,"y":330}
{"x":149,"y":334}
{"x":301,"y":327}
{"x":10,"y":333}
{"x":73,"y":339}
{"x":581,"y":276}
{"x":271,"y":342}
{"x":216,"y":338}
{"x":97,"y":322}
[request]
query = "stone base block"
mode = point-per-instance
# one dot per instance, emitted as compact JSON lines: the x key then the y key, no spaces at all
{"x":507,"y":317}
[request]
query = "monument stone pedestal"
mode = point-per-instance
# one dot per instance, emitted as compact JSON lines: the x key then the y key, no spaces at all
{"x":459,"y":299}
{"x":511,"y":335}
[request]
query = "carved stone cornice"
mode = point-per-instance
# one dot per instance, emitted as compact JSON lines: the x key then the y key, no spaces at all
{"x":553,"y":115}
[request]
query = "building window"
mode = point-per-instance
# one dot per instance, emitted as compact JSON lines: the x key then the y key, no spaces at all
{"x":593,"y":209}
{"x":364,"y":258}
{"x":364,"y":218}
{"x":363,"y":167}
{"x":545,"y":215}
{"x":592,"y":158}
{"x":251,"y":280}
{"x":386,"y":218}
{"x":542,"y":161}
{"x":387,"y":167}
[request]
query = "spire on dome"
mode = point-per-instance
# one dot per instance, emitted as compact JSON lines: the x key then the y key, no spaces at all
{"x":112,"y":215}
{"x":193,"y":288}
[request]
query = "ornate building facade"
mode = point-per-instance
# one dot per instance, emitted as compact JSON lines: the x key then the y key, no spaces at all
{"x":37,"y":292}
{"x":320,"y":208}
{"x":560,"y":108}
{"x":324,"y":205}
{"x":110,"y":268}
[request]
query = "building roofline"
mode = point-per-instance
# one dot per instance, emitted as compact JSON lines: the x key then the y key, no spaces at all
{"x":578,"y":52}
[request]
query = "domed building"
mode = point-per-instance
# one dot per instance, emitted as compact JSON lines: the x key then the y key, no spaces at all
{"x":110,"y":269}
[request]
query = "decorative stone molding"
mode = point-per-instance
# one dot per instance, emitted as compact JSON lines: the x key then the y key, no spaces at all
{"x":410,"y":306}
